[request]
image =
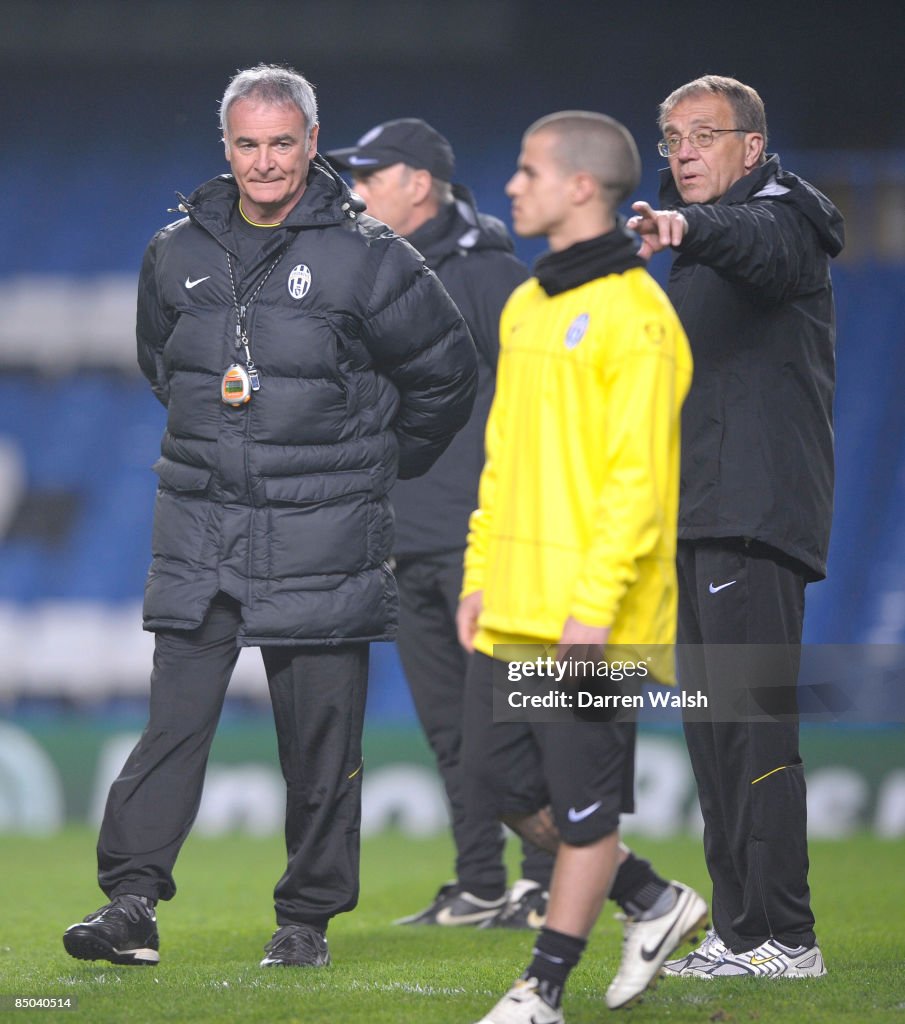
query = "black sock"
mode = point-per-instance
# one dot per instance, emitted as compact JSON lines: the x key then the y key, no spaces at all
{"x":554,"y":956}
{"x":637,"y":887}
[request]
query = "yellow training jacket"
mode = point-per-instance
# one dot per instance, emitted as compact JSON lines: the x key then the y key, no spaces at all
{"x":578,"y":497}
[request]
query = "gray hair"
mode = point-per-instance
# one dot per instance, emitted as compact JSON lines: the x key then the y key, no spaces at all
{"x":441,"y":192}
{"x":747,"y":106}
{"x":272,"y":84}
{"x":596,"y":144}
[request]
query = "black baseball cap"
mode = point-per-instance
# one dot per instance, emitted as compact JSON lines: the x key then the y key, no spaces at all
{"x":407,"y":140}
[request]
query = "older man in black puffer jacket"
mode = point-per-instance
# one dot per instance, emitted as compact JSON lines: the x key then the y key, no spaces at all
{"x":306,"y":356}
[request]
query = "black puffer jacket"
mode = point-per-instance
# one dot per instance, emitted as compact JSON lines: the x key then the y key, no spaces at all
{"x":751,"y":284}
{"x":472,"y":255}
{"x":282,"y":502}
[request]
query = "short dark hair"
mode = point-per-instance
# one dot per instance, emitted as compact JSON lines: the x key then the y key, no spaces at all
{"x":597,"y":144}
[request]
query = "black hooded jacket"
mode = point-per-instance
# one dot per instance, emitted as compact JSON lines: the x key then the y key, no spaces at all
{"x":366,"y":367}
{"x":751,"y":284}
{"x":472,"y":254}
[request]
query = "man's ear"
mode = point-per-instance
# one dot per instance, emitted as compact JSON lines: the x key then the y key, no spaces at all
{"x":422,"y":183}
{"x":582,"y":187}
{"x":754,"y":150}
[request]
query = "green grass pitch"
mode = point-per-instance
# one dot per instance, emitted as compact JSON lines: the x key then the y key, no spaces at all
{"x":213,"y":933}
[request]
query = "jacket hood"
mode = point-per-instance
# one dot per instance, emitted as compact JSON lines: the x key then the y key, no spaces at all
{"x":460,"y":227}
{"x":326,"y":200}
{"x":770,"y":180}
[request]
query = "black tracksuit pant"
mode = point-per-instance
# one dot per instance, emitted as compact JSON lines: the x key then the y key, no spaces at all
{"x":435,"y":666}
{"x":318,"y":696}
{"x":741,"y":612}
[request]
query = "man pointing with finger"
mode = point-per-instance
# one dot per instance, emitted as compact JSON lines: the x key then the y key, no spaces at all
{"x":751,"y":284}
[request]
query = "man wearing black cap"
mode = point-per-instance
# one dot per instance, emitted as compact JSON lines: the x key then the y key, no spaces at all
{"x":403,"y":170}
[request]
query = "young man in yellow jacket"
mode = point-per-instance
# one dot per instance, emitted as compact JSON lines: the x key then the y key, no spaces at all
{"x":572,"y":547}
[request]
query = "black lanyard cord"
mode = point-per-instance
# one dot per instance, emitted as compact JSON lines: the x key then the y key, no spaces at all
{"x":242,"y":310}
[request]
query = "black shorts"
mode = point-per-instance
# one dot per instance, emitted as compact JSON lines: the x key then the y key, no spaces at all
{"x":584,"y":770}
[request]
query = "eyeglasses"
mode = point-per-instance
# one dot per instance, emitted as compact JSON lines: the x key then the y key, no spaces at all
{"x":701,"y":138}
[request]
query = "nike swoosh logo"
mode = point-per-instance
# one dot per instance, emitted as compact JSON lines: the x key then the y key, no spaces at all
{"x":676,"y":912}
{"x":361,"y":161}
{"x":447,"y":917}
{"x":651,"y":954}
{"x":585,"y":812}
{"x":722,"y":586}
{"x":756,"y":961}
{"x":189,"y":283}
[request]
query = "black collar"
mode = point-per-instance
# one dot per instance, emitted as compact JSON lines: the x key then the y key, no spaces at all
{"x":429,"y":238}
{"x":611,"y":253}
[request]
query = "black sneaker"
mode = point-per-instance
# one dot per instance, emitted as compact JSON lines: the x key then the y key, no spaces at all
{"x":525,"y":907}
{"x":453,"y":907}
{"x":123,"y":932}
{"x":297,"y":945}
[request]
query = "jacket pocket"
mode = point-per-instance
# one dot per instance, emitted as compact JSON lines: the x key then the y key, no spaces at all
{"x":181,"y":512}
{"x":177,"y":476}
{"x":317,"y":524}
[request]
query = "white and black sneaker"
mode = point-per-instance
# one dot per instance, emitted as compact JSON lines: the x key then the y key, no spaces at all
{"x":297,"y":945}
{"x":523,"y":1004}
{"x":453,"y":907}
{"x":525,"y":907}
{"x":707,"y":954}
{"x":123,"y":932}
{"x":770,"y":959}
{"x":648,"y":941}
